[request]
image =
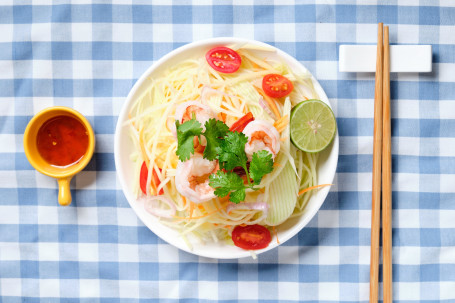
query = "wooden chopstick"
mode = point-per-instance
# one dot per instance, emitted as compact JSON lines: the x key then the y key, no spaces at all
{"x":386,"y":177}
{"x":376,"y":186}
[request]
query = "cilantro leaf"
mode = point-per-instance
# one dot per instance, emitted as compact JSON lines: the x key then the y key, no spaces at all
{"x":228,"y":182}
{"x":260,"y":165}
{"x":228,"y":161}
{"x":233,"y":151}
{"x":215,"y":131}
{"x":185,"y":136}
{"x":237,"y":196}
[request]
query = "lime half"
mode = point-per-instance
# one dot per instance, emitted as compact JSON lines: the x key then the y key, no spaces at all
{"x":313,"y":126}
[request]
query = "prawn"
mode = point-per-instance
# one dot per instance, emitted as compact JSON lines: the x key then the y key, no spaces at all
{"x":261,"y":136}
{"x":201,"y":112}
{"x":192,"y":178}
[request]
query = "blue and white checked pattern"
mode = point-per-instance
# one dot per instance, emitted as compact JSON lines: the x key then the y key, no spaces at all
{"x":87,"y":56}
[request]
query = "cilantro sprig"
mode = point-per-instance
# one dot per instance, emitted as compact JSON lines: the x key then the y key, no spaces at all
{"x":215,"y":131}
{"x":261,"y":164}
{"x":233,"y":151}
{"x":226,"y":183}
{"x":185,"y":136}
{"x":233,"y":155}
{"x":229,"y":149}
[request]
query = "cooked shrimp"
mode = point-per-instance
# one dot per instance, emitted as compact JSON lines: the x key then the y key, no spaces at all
{"x":202,"y":113}
{"x":185,"y":111}
{"x":192,"y":178}
{"x":261,"y":136}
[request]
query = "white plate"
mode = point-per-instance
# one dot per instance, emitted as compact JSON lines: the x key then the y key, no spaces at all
{"x":123,"y":148}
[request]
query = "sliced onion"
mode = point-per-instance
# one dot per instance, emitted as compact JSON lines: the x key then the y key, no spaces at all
{"x":153,"y":206}
{"x":255,"y":205}
{"x":207,"y":92}
{"x":264,"y":207}
{"x":266,"y":108}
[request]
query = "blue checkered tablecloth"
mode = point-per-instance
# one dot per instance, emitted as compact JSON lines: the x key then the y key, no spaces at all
{"x":88,"y":55}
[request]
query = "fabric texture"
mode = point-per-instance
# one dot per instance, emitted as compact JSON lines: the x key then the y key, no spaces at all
{"x":87,"y":55}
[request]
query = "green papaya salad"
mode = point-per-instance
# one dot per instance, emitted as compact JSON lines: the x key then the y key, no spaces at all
{"x":226,"y":146}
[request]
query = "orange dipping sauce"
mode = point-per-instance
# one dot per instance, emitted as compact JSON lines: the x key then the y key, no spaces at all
{"x":62,"y":141}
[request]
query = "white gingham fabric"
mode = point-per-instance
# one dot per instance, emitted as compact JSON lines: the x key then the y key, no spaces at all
{"x":88,"y":54}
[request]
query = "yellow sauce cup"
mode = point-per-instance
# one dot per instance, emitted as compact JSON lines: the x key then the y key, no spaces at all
{"x":62,"y":174}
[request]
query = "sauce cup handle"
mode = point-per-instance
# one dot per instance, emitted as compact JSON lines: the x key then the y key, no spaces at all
{"x":64,"y":193}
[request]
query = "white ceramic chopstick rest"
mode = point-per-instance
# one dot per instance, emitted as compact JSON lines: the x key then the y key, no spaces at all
{"x":403,"y":58}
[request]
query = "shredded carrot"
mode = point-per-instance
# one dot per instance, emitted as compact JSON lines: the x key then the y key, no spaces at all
{"x":222,"y":117}
{"x":285,"y":120}
{"x":154,"y":190}
{"x":276,"y":234}
{"x":147,"y":161}
{"x":154,"y":184}
{"x":305,"y":98}
{"x":278,"y":127}
{"x":133,"y":123}
{"x":276,"y":164}
{"x":223,"y":200}
{"x":130,"y":117}
{"x":184,"y":200}
{"x":255,"y":66}
{"x":223,"y":206}
{"x":281,"y":129}
{"x":281,"y":123}
{"x":270,"y":102}
{"x":143,"y":152}
{"x":192,"y":205}
{"x":311,"y":188}
{"x":224,"y":226}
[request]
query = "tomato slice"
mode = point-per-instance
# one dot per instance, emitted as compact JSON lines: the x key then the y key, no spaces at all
{"x":276,"y":86}
{"x":251,"y":237}
{"x":223,"y":59}
{"x":241,"y":123}
{"x":143,"y":179}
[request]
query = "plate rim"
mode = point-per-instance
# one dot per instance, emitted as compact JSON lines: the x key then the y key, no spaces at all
{"x":124,"y":111}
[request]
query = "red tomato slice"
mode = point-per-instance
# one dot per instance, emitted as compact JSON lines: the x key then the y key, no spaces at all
{"x":251,"y":237}
{"x":143,"y":179}
{"x":241,"y":123}
{"x":276,"y":86}
{"x":223,"y":59}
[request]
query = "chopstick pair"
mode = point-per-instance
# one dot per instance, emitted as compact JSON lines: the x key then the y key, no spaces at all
{"x":382,"y":172}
